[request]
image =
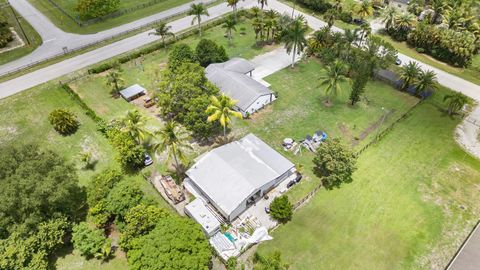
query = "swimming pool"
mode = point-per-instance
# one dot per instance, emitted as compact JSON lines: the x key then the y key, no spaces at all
{"x":230,"y":237}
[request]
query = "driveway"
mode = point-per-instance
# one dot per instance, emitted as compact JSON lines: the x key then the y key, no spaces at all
{"x":55,"y":39}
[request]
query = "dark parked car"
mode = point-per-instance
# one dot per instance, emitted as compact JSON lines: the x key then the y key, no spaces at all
{"x":358,"y":21}
{"x":267,"y":210}
{"x":298,"y":178}
{"x":291,"y":183}
{"x":148,"y":160}
{"x":398,"y":62}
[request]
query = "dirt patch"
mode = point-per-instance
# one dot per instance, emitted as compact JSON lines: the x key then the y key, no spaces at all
{"x":345,"y":131}
{"x":371,"y":128}
{"x":8,"y":133}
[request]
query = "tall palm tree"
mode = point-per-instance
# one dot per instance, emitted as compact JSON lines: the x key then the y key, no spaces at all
{"x":134,"y":124}
{"x":271,"y":22}
{"x":365,"y":31}
{"x":330,"y":16}
{"x":230,"y":25}
{"x":262,"y":3}
{"x":426,"y":80}
{"x":389,"y":17}
{"x":197,"y":10}
{"x":162,"y":30}
{"x":294,"y":37}
{"x":438,"y":6}
{"x":115,"y":80}
{"x":256,"y":12}
{"x":233,"y":4}
{"x":173,"y":140}
{"x":365,"y":9}
{"x":409,"y":74}
{"x":221,"y":109}
{"x":335,"y":74}
{"x":455,"y":102}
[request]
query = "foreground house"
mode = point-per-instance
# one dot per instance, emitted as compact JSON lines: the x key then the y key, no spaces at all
{"x":234,"y":79}
{"x":233,"y":177}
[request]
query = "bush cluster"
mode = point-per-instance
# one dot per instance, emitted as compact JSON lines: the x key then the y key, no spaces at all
{"x":5,"y":34}
{"x":63,"y":121}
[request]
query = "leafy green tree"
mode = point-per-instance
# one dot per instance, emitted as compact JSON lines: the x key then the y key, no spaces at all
{"x":427,"y":80}
{"x":87,"y":159}
{"x":31,"y":250}
{"x":91,"y":242}
{"x":37,"y":186}
{"x":207,"y":52}
{"x":281,"y":209}
{"x":99,"y":214}
{"x":173,"y":140}
{"x":134,"y":124}
{"x":222,"y":110}
{"x":174,"y":243}
{"x":334,"y":164}
{"x":163,"y":31}
{"x":272,"y":261}
{"x":89,"y":9}
{"x":197,"y":10}
{"x":115,"y":80}
{"x":409,"y":74}
{"x":232,"y":263}
{"x":335,"y":74}
{"x":230,"y":25}
{"x":455,"y":102}
{"x":63,"y":121}
{"x":358,"y":87}
{"x":294,"y":37}
{"x":129,"y":154}
{"x":124,"y":196}
{"x":179,"y":55}
{"x":139,"y":221}
{"x":101,"y":184}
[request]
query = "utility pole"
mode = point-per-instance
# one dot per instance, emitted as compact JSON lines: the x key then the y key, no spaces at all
{"x":18,"y":22}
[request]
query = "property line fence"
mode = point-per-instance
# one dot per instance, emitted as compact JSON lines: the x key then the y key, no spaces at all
{"x":107,"y":39}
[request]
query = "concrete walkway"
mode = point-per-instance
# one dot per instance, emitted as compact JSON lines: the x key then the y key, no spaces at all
{"x":468,"y":257}
{"x":55,"y":39}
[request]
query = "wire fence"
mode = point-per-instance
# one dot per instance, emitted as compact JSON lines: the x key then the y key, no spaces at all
{"x":107,"y":39}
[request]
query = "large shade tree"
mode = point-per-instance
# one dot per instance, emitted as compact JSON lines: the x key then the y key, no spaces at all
{"x":222,"y":110}
{"x":294,"y":37}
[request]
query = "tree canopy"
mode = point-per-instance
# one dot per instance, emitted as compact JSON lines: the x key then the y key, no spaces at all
{"x":281,"y":209}
{"x":207,"y":52}
{"x":91,"y":242}
{"x":175,"y":243}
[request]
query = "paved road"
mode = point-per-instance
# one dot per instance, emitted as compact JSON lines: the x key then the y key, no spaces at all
{"x":468,"y":256}
{"x":55,"y":39}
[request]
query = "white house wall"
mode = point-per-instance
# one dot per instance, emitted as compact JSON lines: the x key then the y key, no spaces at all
{"x":260,"y":103}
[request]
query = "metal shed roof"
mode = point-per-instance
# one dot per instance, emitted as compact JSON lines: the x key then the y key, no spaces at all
{"x":132,"y":91}
{"x":232,"y":172}
{"x":198,"y":211}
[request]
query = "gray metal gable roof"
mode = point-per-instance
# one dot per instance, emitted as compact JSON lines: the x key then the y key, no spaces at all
{"x":239,"y":65}
{"x":236,"y":85}
{"x":232,"y":172}
{"x":132,"y":91}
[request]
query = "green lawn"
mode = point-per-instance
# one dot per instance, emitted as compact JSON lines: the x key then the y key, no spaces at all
{"x":299,"y":110}
{"x":32,"y":35}
{"x":403,"y":209}
{"x":471,"y":73}
{"x":68,"y":25}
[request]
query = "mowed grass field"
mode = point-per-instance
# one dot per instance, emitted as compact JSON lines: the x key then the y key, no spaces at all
{"x":68,"y":25}
{"x":300,"y":111}
{"x":413,"y":200}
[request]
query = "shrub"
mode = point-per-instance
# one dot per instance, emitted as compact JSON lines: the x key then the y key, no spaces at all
{"x":129,"y":154}
{"x":232,"y":263}
{"x":63,"y":121}
{"x":346,"y":16}
{"x":281,"y":209}
{"x":180,"y":54}
{"x":5,"y":34}
{"x":334,"y":163}
{"x":208,"y":52}
{"x":124,"y":196}
{"x":420,"y":50}
{"x":91,"y":242}
{"x":89,"y":9}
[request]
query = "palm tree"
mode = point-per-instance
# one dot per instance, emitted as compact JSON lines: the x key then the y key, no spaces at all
{"x":389,"y":17}
{"x":173,"y":140}
{"x":233,"y":4}
{"x":455,"y":101}
{"x":221,"y":109}
{"x":271,"y":22}
{"x":114,"y":80}
{"x":197,"y":10}
{"x":409,"y":74}
{"x":335,"y":74}
{"x":426,"y":80}
{"x":365,"y":9}
{"x":365,"y":31}
{"x":162,"y":30}
{"x":256,"y":12}
{"x":330,"y":16}
{"x":294,"y":37}
{"x":230,"y":24}
{"x":262,"y":3}
{"x":438,"y":6}
{"x":405,"y":21}
{"x":134,"y":124}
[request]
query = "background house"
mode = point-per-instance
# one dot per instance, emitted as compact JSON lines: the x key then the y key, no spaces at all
{"x":234,"y":79}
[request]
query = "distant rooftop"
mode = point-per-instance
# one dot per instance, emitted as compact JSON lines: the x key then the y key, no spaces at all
{"x":132,"y":91}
